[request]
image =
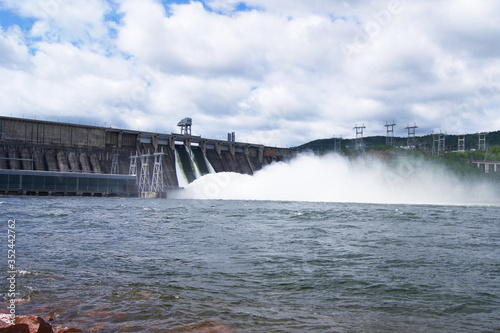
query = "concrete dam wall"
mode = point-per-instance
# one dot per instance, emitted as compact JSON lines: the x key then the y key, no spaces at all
{"x":61,"y":148}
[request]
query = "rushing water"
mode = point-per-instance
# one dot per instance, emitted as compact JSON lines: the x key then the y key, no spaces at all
{"x":131,"y":265}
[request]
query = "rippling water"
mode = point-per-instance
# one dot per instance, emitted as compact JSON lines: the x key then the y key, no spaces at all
{"x":130,"y":265}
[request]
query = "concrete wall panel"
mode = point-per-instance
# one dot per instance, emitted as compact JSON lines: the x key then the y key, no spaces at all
{"x":3,"y":160}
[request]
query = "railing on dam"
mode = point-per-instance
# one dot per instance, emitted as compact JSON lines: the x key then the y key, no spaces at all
{"x":487,"y":166}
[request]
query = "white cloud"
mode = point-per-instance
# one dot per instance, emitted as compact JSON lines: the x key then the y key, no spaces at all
{"x":280,"y":71}
{"x":64,"y":20}
{"x":13,"y":50}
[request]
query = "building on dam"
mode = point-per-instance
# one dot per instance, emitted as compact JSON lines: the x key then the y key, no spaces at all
{"x":53,"y":158}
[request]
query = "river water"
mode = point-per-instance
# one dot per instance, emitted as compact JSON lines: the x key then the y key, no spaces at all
{"x":132,"y":265}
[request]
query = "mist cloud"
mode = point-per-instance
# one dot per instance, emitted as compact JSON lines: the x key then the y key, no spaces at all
{"x":335,"y":178}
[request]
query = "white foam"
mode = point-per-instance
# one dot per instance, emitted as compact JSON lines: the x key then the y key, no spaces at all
{"x":334,"y":178}
{"x":181,"y":177}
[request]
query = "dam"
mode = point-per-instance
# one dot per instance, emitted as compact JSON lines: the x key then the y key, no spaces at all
{"x":54,"y":158}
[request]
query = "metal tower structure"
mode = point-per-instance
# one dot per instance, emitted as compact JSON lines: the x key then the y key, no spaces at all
{"x":337,"y":144}
{"x":144,"y":181}
{"x":185,"y":125}
{"x":482,"y":141}
{"x":442,"y":143}
{"x":389,"y":137}
{"x":359,"y":137}
{"x":461,"y":143}
{"x":438,"y":144}
{"x":132,"y":171}
{"x":157,"y":181}
{"x":114,"y":161}
{"x":411,"y":136}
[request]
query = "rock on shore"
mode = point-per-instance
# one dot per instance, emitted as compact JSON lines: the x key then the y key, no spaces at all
{"x":35,"y":324}
{"x":30,"y":324}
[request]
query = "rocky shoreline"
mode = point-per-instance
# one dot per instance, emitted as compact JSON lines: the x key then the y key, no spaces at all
{"x":31,"y":324}
{"x":36,"y":324}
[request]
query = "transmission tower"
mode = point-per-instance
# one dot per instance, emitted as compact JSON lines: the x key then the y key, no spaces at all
{"x":438,"y":144}
{"x":337,"y":144}
{"x":482,"y":141}
{"x":389,"y":137}
{"x":411,"y":136}
{"x":144,"y":182}
{"x":114,"y":161}
{"x":461,"y":143}
{"x":132,"y":171}
{"x":157,"y":181}
{"x":358,"y":144}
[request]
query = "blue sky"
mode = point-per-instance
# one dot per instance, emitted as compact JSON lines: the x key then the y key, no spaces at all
{"x":275,"y":72}
{"x":9,"y":18}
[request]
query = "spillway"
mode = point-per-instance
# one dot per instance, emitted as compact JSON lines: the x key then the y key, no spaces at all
{"x":190,"y":165}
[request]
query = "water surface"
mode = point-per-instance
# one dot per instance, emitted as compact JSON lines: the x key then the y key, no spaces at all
{"x":131,"y":265}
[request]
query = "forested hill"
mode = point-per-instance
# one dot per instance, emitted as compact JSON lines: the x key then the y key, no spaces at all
{"x":423,"y":142}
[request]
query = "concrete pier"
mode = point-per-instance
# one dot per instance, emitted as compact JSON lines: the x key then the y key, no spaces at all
{"x":487,"y":166}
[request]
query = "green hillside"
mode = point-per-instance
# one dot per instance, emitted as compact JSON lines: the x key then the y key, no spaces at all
{"x":424,"y":143}
{"x":457,"y":162}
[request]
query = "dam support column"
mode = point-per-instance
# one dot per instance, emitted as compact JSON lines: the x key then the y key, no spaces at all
{"x":138,"y":143}
{"x":232,"y":149}
{"x":84,"y":161}
{"x":62,"y":161}
{"x":261,"y":154}
{"x":154,"y":142}
{"x":187,"y":143}
{"x":203,"y":146}
{"x":13,"y":159}
{"x":3,"y":159}
{"x":246,"y":153}
{"x":38,"y":160}
{"x":120,"y":139}
{"x":171,"y":143}
{"x":94,"y":161}
{"x":217,"y":146}
{"x":74,"y":164}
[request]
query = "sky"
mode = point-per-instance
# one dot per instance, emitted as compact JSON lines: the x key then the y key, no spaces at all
{"x":275,"y":72}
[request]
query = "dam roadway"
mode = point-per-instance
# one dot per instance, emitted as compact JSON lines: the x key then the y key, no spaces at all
{"x":54,"y":158}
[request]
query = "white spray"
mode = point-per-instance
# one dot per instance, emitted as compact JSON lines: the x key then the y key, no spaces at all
{"x":334,"y":178}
